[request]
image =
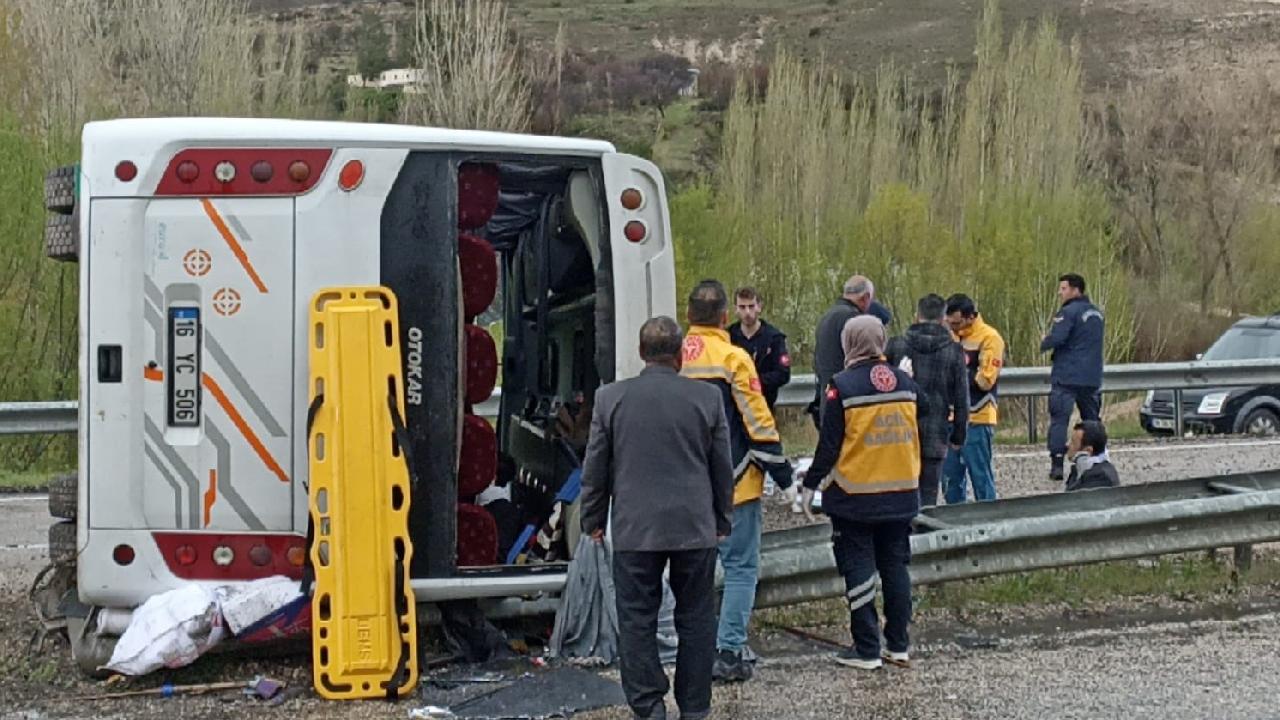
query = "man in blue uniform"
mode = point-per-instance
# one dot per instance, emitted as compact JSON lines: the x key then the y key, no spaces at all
{"x":1076,"y":378}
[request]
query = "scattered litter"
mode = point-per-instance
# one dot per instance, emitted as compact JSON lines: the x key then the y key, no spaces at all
{"x":170,"y":630}
{"x":430,"y":712}
{"x":486,"y":678}
{"x":260,"y":687}
{"x":245,"y":604}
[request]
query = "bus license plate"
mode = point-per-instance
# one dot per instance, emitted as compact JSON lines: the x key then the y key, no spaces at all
{"x":184,"y":366}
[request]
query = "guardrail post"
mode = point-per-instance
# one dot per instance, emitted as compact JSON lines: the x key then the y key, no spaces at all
{"x":1031,"y":421}
{"x":1243,"y":557}
{"x":1178,"y":430}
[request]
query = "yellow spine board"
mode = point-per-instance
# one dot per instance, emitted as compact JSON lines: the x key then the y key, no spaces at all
{"x":359,"y":499}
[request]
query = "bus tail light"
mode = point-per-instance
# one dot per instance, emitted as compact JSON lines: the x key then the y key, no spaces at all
{"x":262,"y":171}
{"x":299,"y":171}
{"x":635,"y":231}
{"x":197,"y":172}
{"x":631,"y":199}
{"x":351,"y":175}
{"x":187,"y":172}
{"x":231,"y":556}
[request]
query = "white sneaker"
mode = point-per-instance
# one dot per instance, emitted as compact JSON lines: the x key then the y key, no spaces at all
{"x":897,"y":658}
{"x":848,"y":658}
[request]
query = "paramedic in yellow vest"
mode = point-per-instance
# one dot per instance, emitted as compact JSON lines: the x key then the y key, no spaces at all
{"x":755,"y":449}
{"x":867,"y":465}
{"x":983,"y":357}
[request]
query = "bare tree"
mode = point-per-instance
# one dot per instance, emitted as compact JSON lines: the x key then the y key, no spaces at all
{"x":471,"y":69}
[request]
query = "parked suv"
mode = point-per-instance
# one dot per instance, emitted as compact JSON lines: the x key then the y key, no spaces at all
{"x":1254,"y":410}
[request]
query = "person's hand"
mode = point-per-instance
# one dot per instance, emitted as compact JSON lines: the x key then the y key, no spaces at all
{"x":806,"y":502}
{"x":788,"y":496}
{"x":956,"y":447}
{"x":597,"y":536}
{"x":721,"y":538}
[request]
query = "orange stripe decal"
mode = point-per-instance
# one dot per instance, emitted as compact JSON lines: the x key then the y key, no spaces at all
{"x":210,"y":496}
{"x":234,"y":244}
{"x":238,"y":420}
{"x":153,"y":374}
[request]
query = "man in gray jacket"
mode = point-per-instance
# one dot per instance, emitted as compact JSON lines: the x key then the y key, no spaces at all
{"x":659,"y":454}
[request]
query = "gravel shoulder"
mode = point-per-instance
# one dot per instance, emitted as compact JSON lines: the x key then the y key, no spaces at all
{"x":1202,"y":656}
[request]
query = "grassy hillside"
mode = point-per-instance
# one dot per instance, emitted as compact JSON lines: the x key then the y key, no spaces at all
{"x":1120,"y":39}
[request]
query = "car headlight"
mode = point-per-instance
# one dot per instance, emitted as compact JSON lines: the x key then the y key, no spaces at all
{"x":1146,"y":401}
{"x":1212,"y":403}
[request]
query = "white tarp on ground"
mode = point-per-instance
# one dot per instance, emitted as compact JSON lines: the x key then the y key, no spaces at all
{"x":174,"y":628}
{"x":170,"y":630}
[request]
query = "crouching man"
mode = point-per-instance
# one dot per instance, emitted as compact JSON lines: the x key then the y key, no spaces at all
{"x":867,"y":465}
{"x":1090,"y":465}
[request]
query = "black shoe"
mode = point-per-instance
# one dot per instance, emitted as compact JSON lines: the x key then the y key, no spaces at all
{"x":659,"y":712}
{"x":730,"y":667}
{"x":1055,"y":467}
{"x":849,"y":658}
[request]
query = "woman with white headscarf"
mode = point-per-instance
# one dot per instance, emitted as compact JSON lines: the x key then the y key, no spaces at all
{"x":867,"y":465}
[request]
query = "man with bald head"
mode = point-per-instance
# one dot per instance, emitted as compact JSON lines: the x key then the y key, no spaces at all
{"x":858,"y":298}
{"x":659,"y":453}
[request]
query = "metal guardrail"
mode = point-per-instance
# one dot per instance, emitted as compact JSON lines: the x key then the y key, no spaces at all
{"x":37,"y":418}
{"x":60,"y":417}
{"x":1028,"y":382}
{"x":1047,"y":531}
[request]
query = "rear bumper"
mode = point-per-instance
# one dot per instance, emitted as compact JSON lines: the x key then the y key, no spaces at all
{"x":1162,"y":423}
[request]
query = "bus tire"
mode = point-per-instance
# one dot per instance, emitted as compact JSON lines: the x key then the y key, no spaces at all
{"x":62,"y":238}
{"x":62,"y":544}
{"x":60,"y":190}
{"x":64,"y":496}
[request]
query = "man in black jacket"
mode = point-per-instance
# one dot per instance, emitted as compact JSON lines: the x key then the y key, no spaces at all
{"x":1076,"y":379}
{"x":857,"y":299}
{"x":659,"y":454}
{"x":765,"y":343}
{"x":1090,"y":466}
{"x":933,"y":358}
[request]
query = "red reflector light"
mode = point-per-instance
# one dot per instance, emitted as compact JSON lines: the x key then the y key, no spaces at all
{"x":631,"y":199}
{"x":231,"y":556}
{"x":262,"y":171}
{"x":299,"y":171}
{"x":122,"y":554}
{"x":187,"y":171}
{"x":126,"y":171}
{"x":185,"y":555}
{"x":351,"y":176}
{"x":259,"y":555}
{"x":249,"y":171}
{"x":635,"y":231}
